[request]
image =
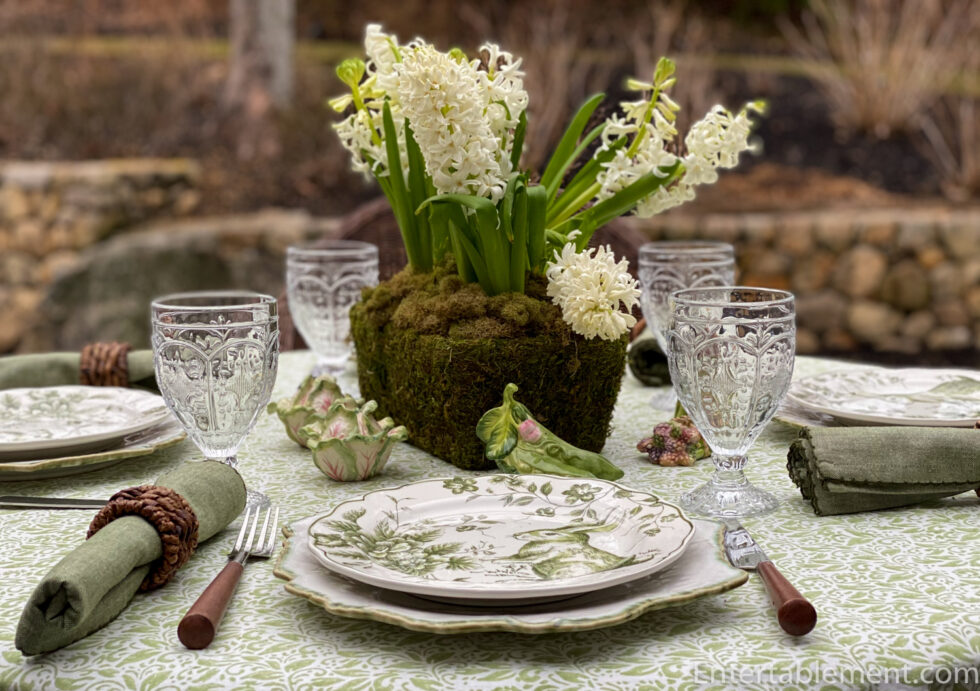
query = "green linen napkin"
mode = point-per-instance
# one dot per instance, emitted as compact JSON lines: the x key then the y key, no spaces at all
{"x":852,"y":469}
{"x":96,"y":580}
{"x":61,"y":369}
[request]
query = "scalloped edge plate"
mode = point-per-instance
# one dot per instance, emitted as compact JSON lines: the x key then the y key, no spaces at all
{"x":142,"y":443}
{"x":703,"y":570}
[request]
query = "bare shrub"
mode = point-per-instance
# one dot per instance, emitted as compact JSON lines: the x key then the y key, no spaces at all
{"x":566,"y":58}
{"x":950,"y":137}
{"x":674,"y":28}
{"x":882,"y":63}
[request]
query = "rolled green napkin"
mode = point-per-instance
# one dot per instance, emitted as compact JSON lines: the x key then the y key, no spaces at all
{"x":852,"y":469}
{"x":95,"y":581}
{"x":61,"y":369}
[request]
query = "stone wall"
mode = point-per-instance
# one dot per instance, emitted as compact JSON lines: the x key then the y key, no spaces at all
{"x":51,"y":211}
{"x":106,"y":295}
{"x":899,"y":280}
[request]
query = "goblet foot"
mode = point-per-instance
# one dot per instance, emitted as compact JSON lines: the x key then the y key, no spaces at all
{"x":728,"y":500}
{"x":252,"y":497}
{"x":333,"y":367}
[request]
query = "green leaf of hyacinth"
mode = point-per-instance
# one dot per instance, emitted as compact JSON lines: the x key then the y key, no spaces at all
{"x":517,"y":148}
{"x":562,"y":157}
{"x":537,"y":210}
{"x":492,"y":250}
{"x":578,"y":191}
{"x":623,"y":201}
{"x":400,"y":202}
{"x":417,"y":195}
{"x":465,"y":247}
{"x":518,"y":247}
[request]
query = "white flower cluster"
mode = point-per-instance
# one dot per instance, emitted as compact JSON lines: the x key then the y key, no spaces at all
{"x":446,"y":108}
{"x":462,"y":115}
{"x":590,"y":290}
{"x":651,"y":154}
{"x":716,"y":141}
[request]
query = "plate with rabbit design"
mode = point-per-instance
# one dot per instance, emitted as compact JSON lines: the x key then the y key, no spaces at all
{"x":513,"y":538}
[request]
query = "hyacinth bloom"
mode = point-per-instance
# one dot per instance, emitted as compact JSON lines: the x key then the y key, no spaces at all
{"x":590,"y":291}
{"x":442,"y":133}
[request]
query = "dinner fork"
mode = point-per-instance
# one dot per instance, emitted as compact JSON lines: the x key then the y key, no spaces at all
{"x":198,"y":627}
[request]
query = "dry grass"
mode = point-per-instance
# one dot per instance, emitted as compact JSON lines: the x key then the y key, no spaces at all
{"x":674,"y":27}
{"x":893,"y":58}
{"x":950,"y":136}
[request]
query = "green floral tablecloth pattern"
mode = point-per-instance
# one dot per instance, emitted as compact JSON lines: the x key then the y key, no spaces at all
{"x":898,"y":593}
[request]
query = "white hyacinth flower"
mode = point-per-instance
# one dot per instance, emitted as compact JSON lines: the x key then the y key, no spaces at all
{"x":382,"y":54}
{"x":714,"y":142}
{"x":445,"y":105}
{"x":594,"y":292}
{"x":506,"y":98}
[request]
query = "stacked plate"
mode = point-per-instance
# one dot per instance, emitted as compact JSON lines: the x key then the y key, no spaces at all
{"x":61,"y":430}
{"x":880,"y":396}
{"x":503,"y":552}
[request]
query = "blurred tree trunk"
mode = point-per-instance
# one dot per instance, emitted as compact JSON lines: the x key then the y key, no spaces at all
{"x":260,"y":73}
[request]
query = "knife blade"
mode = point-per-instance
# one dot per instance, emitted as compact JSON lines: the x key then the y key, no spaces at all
{"x":15,"y":502}
{"x":795,"y":613}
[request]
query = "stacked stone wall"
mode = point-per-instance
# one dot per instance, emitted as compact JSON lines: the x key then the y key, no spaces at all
{"x":51,"y":211}
{"x":898,"y":280}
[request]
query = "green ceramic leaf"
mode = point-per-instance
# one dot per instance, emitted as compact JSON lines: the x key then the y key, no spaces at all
{"x":498,"y":426}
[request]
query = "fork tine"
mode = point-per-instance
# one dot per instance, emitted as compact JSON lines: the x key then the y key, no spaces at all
{"x":260,"y":543}
{"x":271,"y":545}
{"x":251,"y":533}
{"x":241,"y":533}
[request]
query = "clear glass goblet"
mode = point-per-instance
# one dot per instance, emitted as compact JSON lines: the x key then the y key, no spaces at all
{"x":668,"y":266}
{"x":322,"y":284}
{"x":731,"y":361}
{"x":216,"y":355}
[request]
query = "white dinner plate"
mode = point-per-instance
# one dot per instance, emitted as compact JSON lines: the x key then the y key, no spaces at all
{"x":55,"y":420}
{"x":701,"y":571}
{"x":500,"y":538}
{"x":141,"y":443}
{"x":920,"y":397}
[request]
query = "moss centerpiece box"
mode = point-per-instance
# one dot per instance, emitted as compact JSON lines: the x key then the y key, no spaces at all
{"x":437,"y":354}
{"x":500,"y":286}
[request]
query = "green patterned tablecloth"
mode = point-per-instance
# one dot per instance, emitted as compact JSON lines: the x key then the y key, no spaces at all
{"x":898,"y":593}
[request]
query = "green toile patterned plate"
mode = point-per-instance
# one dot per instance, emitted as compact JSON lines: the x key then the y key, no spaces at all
{"x":500,"y":538}
{"x":59,"y":420}
{"x":702,"y":570}
{"x":876,"y":395}
{"x":142,"y":443}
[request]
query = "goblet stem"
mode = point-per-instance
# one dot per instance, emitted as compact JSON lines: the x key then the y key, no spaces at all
{"x":252,"y":497}
{"x":729,"y":494}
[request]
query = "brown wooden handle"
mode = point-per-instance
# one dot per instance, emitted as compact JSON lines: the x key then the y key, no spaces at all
{"x":196,"y":630}
{"x":795,"y":613}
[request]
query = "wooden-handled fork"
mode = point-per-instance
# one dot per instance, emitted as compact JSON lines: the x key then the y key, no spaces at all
{"x":198,"y":627}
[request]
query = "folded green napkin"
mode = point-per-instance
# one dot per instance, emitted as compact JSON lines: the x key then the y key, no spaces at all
{"x":96,"y":580}
{"x":61,"y":369}
{"x":851,"y":469}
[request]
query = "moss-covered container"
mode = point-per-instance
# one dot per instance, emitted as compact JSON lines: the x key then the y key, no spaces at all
{"x":436,"y":353}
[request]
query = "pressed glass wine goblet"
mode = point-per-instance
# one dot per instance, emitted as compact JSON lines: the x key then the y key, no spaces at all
{"x":668,"y":266}
{"x":731,"y":361}
{"x":322,"y":284}
{"x":216,"y":356}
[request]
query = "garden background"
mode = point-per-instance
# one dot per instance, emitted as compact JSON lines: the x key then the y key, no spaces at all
{"x":151,"y":147}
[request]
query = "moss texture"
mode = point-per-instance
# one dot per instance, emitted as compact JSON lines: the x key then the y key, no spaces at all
{"x":436,"y":354}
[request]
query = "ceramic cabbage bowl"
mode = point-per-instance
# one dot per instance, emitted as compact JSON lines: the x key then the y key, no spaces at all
{"x":312,"y":400}
{"x":348,"y":443}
